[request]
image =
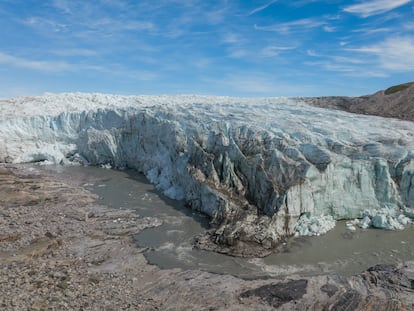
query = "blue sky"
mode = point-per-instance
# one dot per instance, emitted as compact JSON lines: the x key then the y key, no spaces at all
{"x":236,"y":48}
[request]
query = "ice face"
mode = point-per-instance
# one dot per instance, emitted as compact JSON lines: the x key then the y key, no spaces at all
{"x":256,"y":166}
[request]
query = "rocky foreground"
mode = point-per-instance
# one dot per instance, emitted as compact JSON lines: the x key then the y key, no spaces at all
{"x":60,"y":250}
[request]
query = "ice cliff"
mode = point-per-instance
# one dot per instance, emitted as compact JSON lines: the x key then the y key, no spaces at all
{"x":263,"y":169}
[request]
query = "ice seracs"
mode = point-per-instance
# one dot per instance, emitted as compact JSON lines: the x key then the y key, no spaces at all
{"x":263,"y":169}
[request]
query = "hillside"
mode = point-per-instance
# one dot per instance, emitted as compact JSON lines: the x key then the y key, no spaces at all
{"x":395,"y":102}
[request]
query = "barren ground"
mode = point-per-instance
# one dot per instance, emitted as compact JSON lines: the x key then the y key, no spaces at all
{"x":60,"y":250}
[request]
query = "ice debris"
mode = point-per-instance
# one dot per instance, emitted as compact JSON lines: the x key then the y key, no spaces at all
{"x":308,"y":225}
{"x":387,"y":218}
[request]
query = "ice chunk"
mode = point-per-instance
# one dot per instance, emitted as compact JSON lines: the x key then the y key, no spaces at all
{"x":385,"y":218}
{"x":365,"y":222}
{"x":409,"y":212}
{"x":308,"y":225}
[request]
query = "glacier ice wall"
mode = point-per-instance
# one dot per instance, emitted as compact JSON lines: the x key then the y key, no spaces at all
{"x":256,"y":166}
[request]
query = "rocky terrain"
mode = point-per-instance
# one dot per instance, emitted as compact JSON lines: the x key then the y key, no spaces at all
{"x":60,"y":250}
{"x":394,"y":102}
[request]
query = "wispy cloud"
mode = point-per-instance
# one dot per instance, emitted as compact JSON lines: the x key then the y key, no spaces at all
{"x":259,"y":84}
{"x":351,"y":66}
{"x":372,"y":30}
{"x":293,"y":26}
{"x":312,"y":53}
{"x":44,"y":23}
{"x":113,"y":26}
{"x":50,"y":66}
{"x":329,"y":29}
{"x":374,"y":7}
{"x":233,"y":38}
{"x":238,"y":53}
{"x":272,"y":51}
{"x":75,"y":52}
{"x":97,"y":19}
{"x":350,"y":70}
{"x":249,"y":83}
{"x":396,"y":54}
{"x":336,"y":58}
{"x":348,"y":60}
{"x":332,"y":66}
{"x":409,"y":26}
{"x":216,"y":16}
{"x":261,"y":8}
{"x":300,"y":3}
{"x":120,"y":4}
{"x":63,"y":5}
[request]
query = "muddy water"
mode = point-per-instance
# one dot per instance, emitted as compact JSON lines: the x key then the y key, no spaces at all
{"x":169,"y":246}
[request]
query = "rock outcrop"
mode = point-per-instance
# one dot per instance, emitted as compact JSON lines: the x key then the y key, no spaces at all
{"x":382,"y":287}
{"x":263,"y":169}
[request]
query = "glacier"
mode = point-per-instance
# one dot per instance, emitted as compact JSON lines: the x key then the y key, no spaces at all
{"x":263,"y":169}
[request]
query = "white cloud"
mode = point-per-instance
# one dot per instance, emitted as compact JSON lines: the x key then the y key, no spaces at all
{"x":349,"y":70}
{"x":329,"y":29}
{"x":300,"y":3}
{"x":63,"y":5}
{"x":261,"y":8}
{"x":202,"y":63}
{"x":272,"y":51}
{"x":46,"y":24}
{"x":59,"y":66}
{"x":348,"y":60}
{"x":293,"y":26}
{"x":396,"y":54}
{"x":374,"y":7}
{"x":216,"y":17}
{"x":115,"y":3}
{"x":351,"y":66}
{"x":238,"y":53}
{"x":250,"y":83}
{"x":338,"y":59}
{"x":369,"y":31}
{"x":260,"y":84}
{"x":50,"y":66}
{"x":312,"y":53}
{"x":233,"y":38}
{"x":368,"y":74}
{"x":75,"y":52}
{"x":112,"y":25}
{"x":409,"y":26}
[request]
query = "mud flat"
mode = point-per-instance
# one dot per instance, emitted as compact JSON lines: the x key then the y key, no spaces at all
{"x":61,"y":250}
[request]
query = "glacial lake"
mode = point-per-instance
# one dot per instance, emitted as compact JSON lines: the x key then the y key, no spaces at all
{"x":339,"y":251}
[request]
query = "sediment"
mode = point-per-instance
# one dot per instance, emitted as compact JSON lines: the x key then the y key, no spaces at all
{"x":60,"y":250}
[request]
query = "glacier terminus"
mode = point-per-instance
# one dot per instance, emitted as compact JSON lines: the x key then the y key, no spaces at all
{"x":263,"y":169}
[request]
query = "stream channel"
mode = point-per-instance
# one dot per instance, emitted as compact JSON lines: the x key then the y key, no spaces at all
{"x":339,"y":251}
